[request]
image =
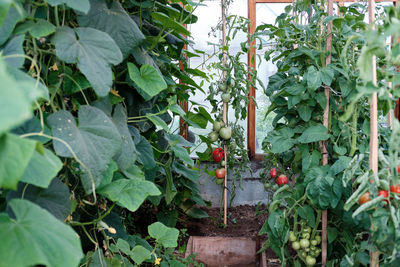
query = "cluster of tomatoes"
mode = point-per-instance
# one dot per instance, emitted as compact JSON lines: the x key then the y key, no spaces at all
{"x":279,"y":180}
{"x":218,"y":156}
{"x":305,"y":245}
{"x":395,"y":189}
{"x":220,"y":130}
{"x":385,"y":193}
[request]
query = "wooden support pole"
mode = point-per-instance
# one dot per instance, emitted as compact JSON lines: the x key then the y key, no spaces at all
{"x":373,"y":142}
{"x":326,"y":124}
{"x":225,"y":111}
{"x":251,"y":61}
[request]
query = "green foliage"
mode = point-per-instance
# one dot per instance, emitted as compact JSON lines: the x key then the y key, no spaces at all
{"x":87,"y":141}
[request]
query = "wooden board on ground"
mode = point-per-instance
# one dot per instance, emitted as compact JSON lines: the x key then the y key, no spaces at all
{"x":223,"y":251}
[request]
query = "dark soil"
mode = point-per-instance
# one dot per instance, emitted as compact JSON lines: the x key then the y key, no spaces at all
{"x":243,"y":221}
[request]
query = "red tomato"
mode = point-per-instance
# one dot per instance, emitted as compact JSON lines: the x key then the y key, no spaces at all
{"x":395,"y":189}
{"x":398,"y":169}
{"x":282,"y":180}
{"x":385,"y":194}
{"x":218,"y":154}
{"x":273,"y":173}
{"x":220,"y":173}
{"x":364,"y":198}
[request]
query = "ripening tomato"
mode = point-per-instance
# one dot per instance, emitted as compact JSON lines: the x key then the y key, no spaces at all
{"x":364,"y":198}
{"x":273,"y":173}
{"x":395,"y":189}
{"x":220,"y":173}
{"x":282,"y":180}
{"x":385,"y":194}
{"x":218,"y":154}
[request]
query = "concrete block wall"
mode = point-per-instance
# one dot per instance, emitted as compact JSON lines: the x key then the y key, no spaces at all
{"x":253,"y":190}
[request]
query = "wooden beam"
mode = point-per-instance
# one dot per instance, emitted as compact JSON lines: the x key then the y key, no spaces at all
{"x":251,"y":60}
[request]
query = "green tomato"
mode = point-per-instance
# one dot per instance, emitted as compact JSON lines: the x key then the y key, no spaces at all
{"x":310,"y":261}
{"x":213,"y":136}
{"x":305,"y":235}
{"x":231,"y":83}
{"x":318,"y":238}
{"x":275,"y":187}
{"x":303,"y":254}
{"x":268,"y":186}
{"x":219,"y":181}
{"x":314,"y":242}
{"x":222,"y":87}
{"x":296,"y":245}
{"x":303,"y":223}
{"x":304,"y":243}
{"x":217,"y":126}
{"x":225,"y":133}
{"x":226,"y":97}
{"x":307,"y":229}
{"x":223,"y":163}
{"x":292,"y":236}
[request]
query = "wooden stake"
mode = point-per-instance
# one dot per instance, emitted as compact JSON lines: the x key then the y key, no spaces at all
{"x":225,"y":112}
{"x":373,"y":142}
{"x":251,"y":62}
{"x":326,"y":124}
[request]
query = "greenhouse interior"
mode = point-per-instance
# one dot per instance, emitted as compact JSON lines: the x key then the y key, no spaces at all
{"x":232,"y":133}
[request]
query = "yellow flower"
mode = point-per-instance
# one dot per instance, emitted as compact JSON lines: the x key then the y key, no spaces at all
{"x":54,"y":67}
{"x":157,"y":262}
{"x":114,"y":92}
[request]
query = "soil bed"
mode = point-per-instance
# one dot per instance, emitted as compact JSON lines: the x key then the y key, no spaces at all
{"x":242,"y":222}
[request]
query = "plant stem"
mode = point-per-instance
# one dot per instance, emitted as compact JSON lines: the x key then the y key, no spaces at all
{"x":96,"y":220}
{"x":354,"y":133}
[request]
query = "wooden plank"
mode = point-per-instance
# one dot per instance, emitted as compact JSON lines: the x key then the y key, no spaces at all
{"x":251,"y":60}
{"x":224,"y":251}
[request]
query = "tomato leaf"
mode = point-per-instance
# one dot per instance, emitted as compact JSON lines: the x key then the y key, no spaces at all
{"x":313,"y":134}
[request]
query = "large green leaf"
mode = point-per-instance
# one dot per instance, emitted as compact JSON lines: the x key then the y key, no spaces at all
{"x":339,"y":165}
{"x":4,"y":7}
{"x":313,"y":78}
{"x":304,"y":111}
{"x":127,"y":154}
{"x":36,"y":237}
{"x":14,"y":47}
{"x":113,"y":19}
{"x":33,"y":89}
{"x":15,"y":154}
{"x":13,"y":16}
{"x":15,"y":107}
{"x":319,"y":189}
{"x":148,"y":79}
{"x":94,"y":51}
{"x":185,"y":171}
{"x":164,"y":235}
{"x":146,"y":154}
{"x":313,"y":134}
{"x":95,"y":141}
{"x":130,"y":193}
{"x":42,"y":168}
{"x":79,"y":5}
{"x":40,"y":28}
{"x":281,"y":140}
{"x":33,"y":126}
{"x":139,"y":254}
{"x":55,"y":199}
